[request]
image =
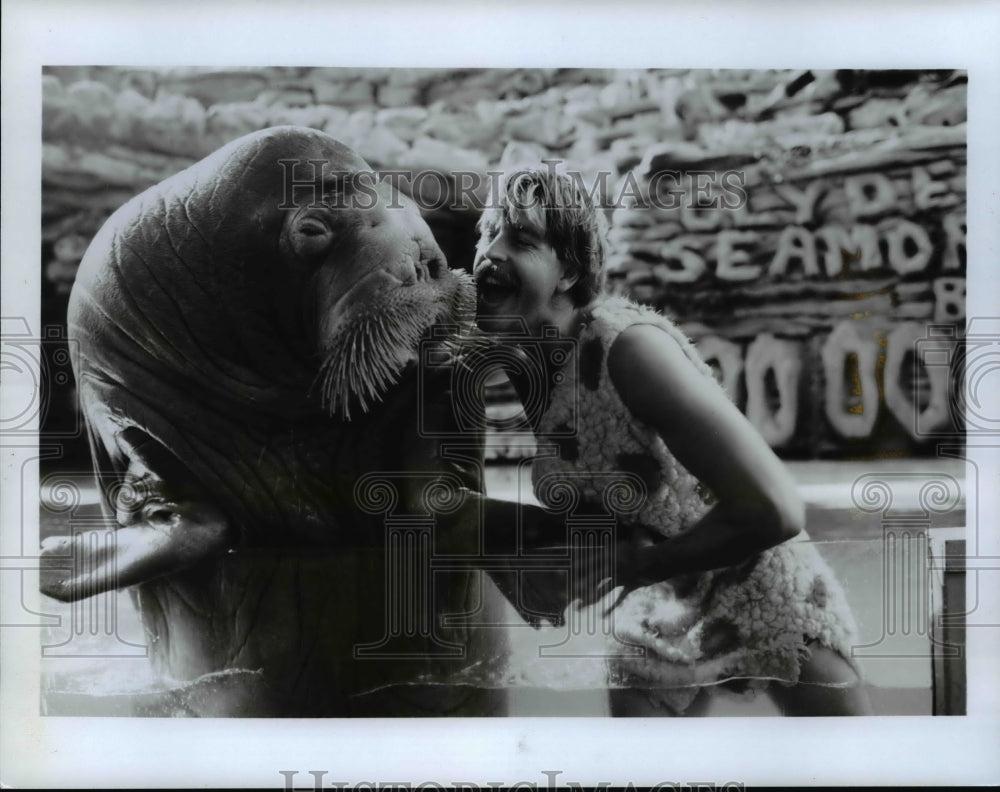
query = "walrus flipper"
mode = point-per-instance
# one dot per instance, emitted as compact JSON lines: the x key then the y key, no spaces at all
{"x":159,"y":527}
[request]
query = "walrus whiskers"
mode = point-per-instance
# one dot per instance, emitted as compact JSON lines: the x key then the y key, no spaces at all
{"x":373,"y":346}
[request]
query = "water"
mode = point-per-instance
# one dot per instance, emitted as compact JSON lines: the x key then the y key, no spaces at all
{"x":94,"y":659}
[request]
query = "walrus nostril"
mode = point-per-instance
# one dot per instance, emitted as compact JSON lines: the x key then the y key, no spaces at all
{"x":422,"y":271}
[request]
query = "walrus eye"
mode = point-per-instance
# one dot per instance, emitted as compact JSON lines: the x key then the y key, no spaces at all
{"x":311,"y":228}
{"x":310,"y":236}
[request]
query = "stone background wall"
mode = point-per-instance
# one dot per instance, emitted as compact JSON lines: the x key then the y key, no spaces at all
{"x":806,"y":228}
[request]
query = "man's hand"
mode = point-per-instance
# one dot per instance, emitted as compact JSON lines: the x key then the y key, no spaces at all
{"x":595,"y":580}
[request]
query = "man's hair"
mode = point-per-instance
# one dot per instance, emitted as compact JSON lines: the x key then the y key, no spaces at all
{"x":574,"y":226}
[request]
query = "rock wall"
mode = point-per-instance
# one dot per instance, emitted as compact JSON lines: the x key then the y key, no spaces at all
{"x":806,"y":228}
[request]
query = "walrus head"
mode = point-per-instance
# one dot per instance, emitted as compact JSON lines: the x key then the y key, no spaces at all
{"x":276,"y":268}
{"x":377,"y":283}
{"x":375,"y":280}
{"x":244,"y":318}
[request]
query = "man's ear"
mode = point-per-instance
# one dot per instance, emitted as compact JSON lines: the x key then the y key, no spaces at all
{"x":568,"y":279}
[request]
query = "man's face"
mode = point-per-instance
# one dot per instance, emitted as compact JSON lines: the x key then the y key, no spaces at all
{"x":517,"y":275}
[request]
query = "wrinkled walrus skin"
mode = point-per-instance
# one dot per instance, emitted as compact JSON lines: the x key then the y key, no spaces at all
{"x":217,"y":322}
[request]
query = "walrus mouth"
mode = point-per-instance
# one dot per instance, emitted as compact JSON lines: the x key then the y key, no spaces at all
{"x":378,"y":341}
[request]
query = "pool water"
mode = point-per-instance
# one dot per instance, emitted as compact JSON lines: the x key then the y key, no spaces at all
{"x":94,"y":659}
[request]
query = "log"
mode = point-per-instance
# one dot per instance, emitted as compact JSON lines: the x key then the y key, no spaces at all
{"x":75,"y":168}
{"x":747,"y":329}
{"x":879,"y":305}
{"x":217,"y":86}
{"x":900,"y":153}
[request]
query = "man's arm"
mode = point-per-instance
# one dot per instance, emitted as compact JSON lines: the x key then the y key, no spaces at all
{"x":758,"y":504}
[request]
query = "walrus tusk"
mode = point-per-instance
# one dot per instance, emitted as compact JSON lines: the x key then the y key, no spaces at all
{"x":92,"y":562}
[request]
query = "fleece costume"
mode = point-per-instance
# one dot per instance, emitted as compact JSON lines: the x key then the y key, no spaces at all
{"x":746,"y":624}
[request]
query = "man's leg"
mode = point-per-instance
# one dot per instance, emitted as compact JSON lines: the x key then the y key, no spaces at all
{"x":828,"y":685}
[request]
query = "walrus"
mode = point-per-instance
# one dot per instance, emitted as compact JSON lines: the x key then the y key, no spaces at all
{"x":249,"y":332}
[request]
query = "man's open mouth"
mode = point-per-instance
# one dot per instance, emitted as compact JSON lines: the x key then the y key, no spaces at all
{"x":494,"y":284}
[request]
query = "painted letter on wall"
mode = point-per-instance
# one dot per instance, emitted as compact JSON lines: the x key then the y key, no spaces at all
{"x":858,"y":418}
{"x":784,"y":358}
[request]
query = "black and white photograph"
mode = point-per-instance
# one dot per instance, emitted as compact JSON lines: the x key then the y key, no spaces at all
{"x":576,"y":412}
